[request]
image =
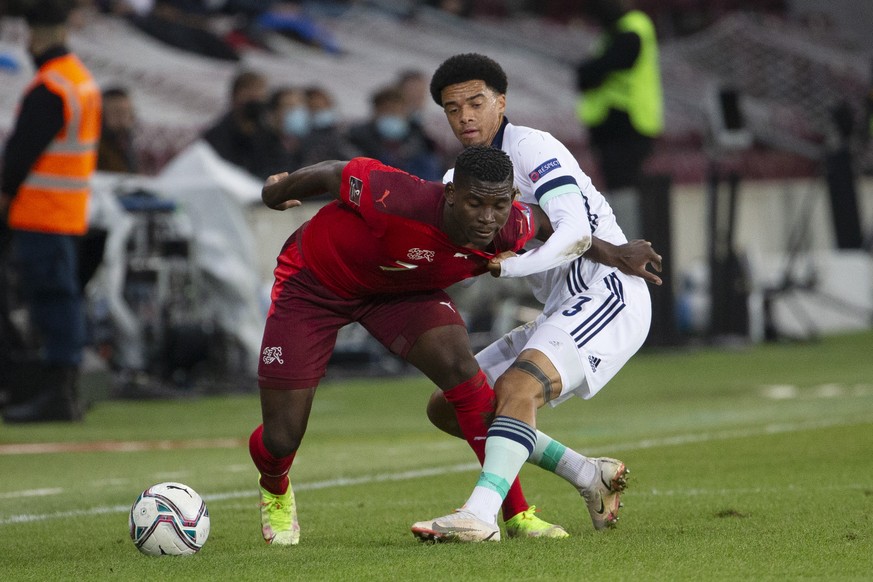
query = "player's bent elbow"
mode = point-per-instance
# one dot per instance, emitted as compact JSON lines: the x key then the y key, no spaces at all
{"x":582,"y":245}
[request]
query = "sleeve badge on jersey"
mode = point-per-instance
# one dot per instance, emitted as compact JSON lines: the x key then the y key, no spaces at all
{"x":544,"y":169}
{"x":356,"y":186}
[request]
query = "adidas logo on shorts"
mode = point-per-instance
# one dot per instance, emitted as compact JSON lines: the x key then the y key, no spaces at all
{"x":594,"y":362}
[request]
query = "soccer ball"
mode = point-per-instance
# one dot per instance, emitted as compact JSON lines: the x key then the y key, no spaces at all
{"x":169,"y":519}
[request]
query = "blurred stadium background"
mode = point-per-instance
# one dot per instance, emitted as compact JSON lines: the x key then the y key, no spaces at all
{"x":794,"y":63}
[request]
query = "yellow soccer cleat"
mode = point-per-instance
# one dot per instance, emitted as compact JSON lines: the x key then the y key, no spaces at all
{"x":527,"y":525}
{"x":279,"y":518}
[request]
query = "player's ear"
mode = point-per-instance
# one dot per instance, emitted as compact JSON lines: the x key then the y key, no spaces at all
{"x":449,"y":193}
{"x":501,"y":102}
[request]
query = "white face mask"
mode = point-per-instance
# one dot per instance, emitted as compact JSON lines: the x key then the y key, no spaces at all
{"x":324,"y":118}
{"x":392,"y":127}
{"x":296,"y":122}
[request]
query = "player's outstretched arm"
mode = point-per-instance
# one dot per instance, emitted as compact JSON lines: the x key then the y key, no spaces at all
{"x":283,"y":191}
{"x":631,"y":258}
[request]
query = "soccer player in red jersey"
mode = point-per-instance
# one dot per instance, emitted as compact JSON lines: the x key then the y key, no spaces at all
{"x":379,"y":255}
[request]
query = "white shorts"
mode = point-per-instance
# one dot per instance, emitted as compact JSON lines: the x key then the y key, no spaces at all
{"x":588,"y":338}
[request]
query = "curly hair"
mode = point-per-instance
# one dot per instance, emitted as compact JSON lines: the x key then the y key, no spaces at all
{"x":483,"y":163}
{"x":467,"y":67}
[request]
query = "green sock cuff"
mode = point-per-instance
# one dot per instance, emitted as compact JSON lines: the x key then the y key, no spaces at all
{"x":493,"y":482}
{"x":550,"y":457}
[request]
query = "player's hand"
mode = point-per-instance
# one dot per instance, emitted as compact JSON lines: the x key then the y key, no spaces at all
{"x":494,"y":264}
{"x":275,"y":178}
{"x":272,"y":181}
{"x":633,"y":257}
{"x":287,"y":204}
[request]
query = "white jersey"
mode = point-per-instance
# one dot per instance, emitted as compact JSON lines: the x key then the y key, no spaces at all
{"x":545,"y":170}
{"x":595,"y":318}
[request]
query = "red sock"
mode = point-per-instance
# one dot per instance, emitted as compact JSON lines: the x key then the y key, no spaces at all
{"x":274,"y":472}
{"x":474,"y":407}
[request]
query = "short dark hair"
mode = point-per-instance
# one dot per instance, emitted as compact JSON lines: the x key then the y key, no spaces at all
{"x":42,"y":12}
{"x":483,"y":163}
{"x":386,"y":95}
{"x":467,"y":67}
{"x":276,"y":96}
{"x":245,"y":79}
{"x":115,"y":91}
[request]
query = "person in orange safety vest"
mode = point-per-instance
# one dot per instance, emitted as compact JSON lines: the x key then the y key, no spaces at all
{"x":48,"y":162}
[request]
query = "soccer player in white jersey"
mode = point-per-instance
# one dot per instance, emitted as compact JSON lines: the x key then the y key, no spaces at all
{"x":595,"y":317}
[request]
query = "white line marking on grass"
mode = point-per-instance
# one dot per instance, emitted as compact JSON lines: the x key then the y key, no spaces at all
{"x":459,"y":468}
{"x":30,"y":518}
{"x":119,"y":446}
{"x":748,"y":490}
{"x":821,"y":391}
{"x":32,"y":493}
{"x":722,"y":435}
{"x":341,"y":482}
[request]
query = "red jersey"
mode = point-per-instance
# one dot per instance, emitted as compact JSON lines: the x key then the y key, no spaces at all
{"x":384,"y":235}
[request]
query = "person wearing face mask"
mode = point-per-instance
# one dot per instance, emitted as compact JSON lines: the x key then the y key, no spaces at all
{"x":386,"y":136}
{"x":242,"y":135}
{"x":290,"y":125}
{"x":326,"y":140}
{"x":414,"y":85}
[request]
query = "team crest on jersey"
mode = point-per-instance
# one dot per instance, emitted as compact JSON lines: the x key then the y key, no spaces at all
{"x":417,"y":254}
{"x":544,"y":169}
{"x":356,"y":186}
{"x":273,"y":354}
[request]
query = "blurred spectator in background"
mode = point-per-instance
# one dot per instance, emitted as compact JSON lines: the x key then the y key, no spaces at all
{"x":327,"y":140}
{"x":184,"y":24}
{"x":289,"y":119}
{"x":387,"y":137}
{"x":48,"y":162}
{"x":116,"y":152}
{"x":414,"y":85}
{"x":242,"y":136}
{"x":621,"y":102}
{"x":461,"y":8}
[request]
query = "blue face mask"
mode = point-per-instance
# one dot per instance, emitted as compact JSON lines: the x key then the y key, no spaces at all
{"x":324,"y":118}
{"x":392,"y":127}
{"x":296,"y":122}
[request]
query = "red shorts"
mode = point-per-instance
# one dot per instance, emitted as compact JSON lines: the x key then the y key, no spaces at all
{"x":305,"y":316}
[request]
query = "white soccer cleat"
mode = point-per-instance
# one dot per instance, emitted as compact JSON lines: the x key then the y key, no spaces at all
{"x":602,"y":498}
{"x":460,"y":526}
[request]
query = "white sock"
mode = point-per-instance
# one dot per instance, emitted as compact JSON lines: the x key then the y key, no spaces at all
{"x":508,"y":446}
{"x":552,"y":456}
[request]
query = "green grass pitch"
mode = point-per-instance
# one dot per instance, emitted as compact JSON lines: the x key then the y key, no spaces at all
{"x":746,"y":464}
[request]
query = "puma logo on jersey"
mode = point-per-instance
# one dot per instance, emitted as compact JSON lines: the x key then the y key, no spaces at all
{"x":381,"y":200}
{"x":449,"y":305}
{"x":461,"y":256}
{"x":399,"y":266}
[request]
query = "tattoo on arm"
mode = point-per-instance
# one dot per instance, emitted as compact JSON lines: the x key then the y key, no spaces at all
{"x":537,"y":373}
